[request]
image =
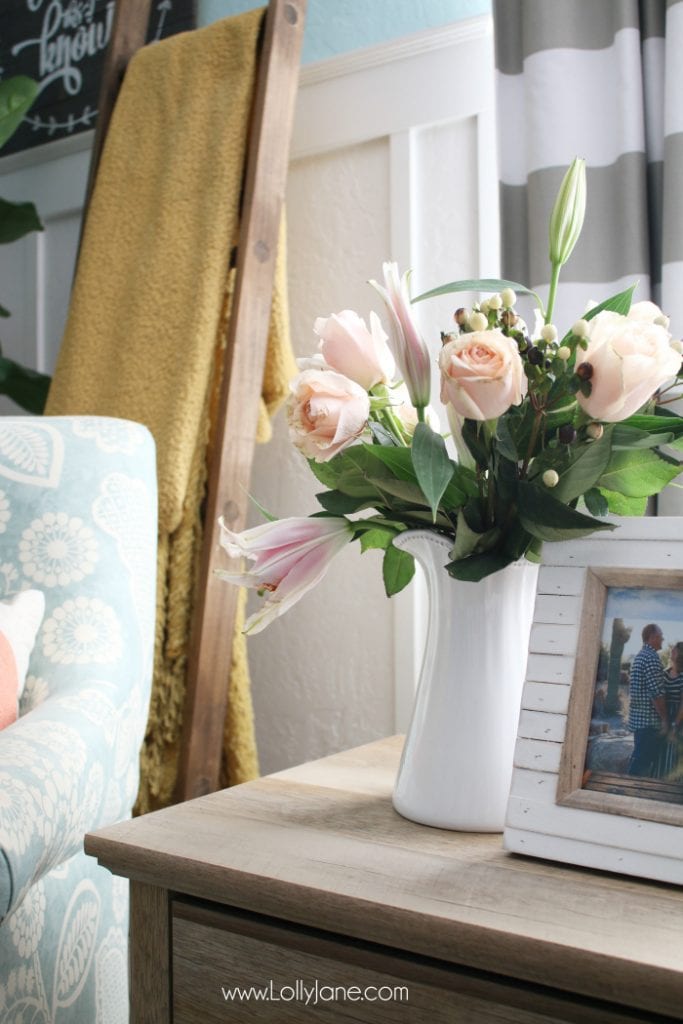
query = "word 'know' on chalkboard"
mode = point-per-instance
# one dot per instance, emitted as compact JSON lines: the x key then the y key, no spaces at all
{"x":61,"y":44}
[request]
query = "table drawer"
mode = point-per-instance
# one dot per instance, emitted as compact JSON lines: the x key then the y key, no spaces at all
{"x":232,"y":966}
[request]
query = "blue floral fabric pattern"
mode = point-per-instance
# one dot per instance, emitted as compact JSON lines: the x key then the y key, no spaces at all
{"x":78,"y":520}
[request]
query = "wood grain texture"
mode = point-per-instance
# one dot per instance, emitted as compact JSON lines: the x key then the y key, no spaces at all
{"x":307,"y":975}
{"x":150,"y":976}
{"x":581,"y":700}
{"x":234,"y":432}
{"x":321,"y":846}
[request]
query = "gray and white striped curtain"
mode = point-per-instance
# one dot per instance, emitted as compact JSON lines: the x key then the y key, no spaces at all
{"x":600,"y":79}
{"x":603,"y":80}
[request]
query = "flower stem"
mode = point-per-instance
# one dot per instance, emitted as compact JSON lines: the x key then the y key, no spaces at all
{"x":554,"y":278}
{"x":420,"y":410}
{"x":532,"y":442}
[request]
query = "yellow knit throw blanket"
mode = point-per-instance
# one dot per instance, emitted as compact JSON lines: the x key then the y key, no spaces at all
{"x":147,"y":315}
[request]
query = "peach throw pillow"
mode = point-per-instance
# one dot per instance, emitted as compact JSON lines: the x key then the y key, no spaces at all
{"x":20,"y":620}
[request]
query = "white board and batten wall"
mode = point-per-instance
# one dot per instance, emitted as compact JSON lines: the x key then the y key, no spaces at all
{"x":393,"y":157}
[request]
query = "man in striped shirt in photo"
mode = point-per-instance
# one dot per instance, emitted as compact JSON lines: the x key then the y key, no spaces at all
{"x":647,"y":717}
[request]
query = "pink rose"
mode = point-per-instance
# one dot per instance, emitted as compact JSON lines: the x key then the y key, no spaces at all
{"x":350,"y":348}
{"x":326,"y":412}
{"x":631,"y":357}
{"x":481,"y":374}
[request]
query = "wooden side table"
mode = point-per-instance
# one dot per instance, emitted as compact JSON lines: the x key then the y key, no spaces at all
{"x":309,"y":876}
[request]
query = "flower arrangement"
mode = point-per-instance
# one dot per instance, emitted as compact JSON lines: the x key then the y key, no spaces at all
{"x":550,"y":433}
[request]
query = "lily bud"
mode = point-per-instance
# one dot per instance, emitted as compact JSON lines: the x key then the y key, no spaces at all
{"x":566,"y":220}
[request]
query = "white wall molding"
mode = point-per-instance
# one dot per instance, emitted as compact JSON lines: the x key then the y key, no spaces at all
{"x":419,"y":93}
{"x":457,"y":34}
{"x":433,"y":77}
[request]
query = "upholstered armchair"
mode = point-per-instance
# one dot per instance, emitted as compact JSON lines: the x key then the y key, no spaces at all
{"x":77,"y":521}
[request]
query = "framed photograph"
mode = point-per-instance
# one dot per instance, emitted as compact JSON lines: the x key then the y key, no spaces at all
{"x":598,"y":774}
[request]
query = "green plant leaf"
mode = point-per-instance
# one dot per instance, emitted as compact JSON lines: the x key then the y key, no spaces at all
{"x":432,"y":466}
{"x":638,"y":473}
{"x":476,"y":567}
{"x":376,"y":538}
{"x":28,"y":388}
{"x":469,"y":542}
{"x":505,"y":442}
{"x":398,"y":460}
{"x":663,"y":421}
{"x":545,"y":517}
{"x":619,"y":505}
{"x":585,"y":468}
{"x":340,"y":504}
{"x":16,"y":96}
{"x":596,"y":502}
{"x":398,"y":569}
{"x":4,"y":312}
{"x":628,"y":438}
{"x":619,"y":303}
{"x":483,"y":284}
{"x":268,"y":516}
{"x":380,"y":434}
{"x":17,"y":220}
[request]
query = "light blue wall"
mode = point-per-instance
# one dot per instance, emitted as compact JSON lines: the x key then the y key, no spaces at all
{"x":337,"y":26}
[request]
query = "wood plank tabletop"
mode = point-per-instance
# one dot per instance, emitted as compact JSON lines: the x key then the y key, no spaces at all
{"x":320,"y":845}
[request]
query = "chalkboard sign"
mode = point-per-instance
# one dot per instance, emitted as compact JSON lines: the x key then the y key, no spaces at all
{"x":61,"y":44}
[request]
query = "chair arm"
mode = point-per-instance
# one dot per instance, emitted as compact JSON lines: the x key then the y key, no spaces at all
{"x":67,"y":767}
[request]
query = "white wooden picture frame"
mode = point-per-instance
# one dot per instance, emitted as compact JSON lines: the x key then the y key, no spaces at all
{"x":550,"y":813}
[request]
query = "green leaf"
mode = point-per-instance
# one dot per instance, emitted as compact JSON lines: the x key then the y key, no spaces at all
{"x":625,"y":437}
{"x":4,"y":312}
{"x":477,"y":567}
{"x":398,"y":569}
{"x":484,"y":284}
{"x":16,"y":96}
{"x":398,"y":460}
{"x":638,"y":473}
{"x":17,"y":220}
{"x":28,"y":388}
{"x":469,"y":541}
{"x":264,"y":511}
{"x":432,"y":466}
{"x":663,"y":421}
{"x":587,"y":464}
{"x":505,"y":442}
{"x":545,"y":517}
{"x":376,"y":538}
{"x":596,"y":502}
{"x":619,"y":303}
{"x":619,"y":505}
{"x":341,"y":504}
{"x":380,"y":434}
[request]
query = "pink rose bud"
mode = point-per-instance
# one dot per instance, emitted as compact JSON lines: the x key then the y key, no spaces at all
{"x":289,"y":557}
{"x":348,"y":347}
{"x":630,"y":358}
{"x":326,"y":412}
{"x":481,"y":374}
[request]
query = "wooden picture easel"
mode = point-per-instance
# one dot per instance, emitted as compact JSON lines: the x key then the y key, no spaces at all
{"x":234,"y":430}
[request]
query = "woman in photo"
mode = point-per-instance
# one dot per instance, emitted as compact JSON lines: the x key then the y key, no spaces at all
{"x":674,"y":706}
